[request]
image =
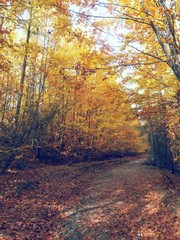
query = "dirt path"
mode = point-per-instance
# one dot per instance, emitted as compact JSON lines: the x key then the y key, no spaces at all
{"x":111,"y":200}
{"x":126,"y":201}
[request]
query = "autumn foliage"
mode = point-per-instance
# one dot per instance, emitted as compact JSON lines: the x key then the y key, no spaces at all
{"x":82,"y":82}
{"x":65,"y":90}
{"x":59,"y":93}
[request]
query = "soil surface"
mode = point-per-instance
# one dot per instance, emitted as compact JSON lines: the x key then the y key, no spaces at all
{"x":121,"y":199}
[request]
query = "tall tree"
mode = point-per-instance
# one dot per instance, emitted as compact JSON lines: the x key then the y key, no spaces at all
{"x":150,"y":29}
{"x":148,"y":34}
{"x":60,"y":91}
{"x":154,"y":97}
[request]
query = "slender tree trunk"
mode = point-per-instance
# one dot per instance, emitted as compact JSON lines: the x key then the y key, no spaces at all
{"x":4,"y":104}
{"x":23,"y":74}
{"x":170,"y":48}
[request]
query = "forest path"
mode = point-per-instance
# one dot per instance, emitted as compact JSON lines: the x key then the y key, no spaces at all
{"x":125,"y":201}
{"x":121,"y":199}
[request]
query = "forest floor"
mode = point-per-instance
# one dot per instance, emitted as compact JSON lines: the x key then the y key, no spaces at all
{"x":122,"y":199}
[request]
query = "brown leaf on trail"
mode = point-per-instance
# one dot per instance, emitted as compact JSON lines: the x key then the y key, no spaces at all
{"x":125,"y":201}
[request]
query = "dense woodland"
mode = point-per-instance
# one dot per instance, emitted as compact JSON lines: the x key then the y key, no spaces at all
{"x":67,"y":94}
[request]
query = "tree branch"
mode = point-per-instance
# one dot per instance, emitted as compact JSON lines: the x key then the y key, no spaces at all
{"x":148,"y":54}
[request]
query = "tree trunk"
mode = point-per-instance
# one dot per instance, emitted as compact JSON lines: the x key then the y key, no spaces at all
{"x":23,"y":74}
{"x":159,"y":152}
{"x":176,"y":70}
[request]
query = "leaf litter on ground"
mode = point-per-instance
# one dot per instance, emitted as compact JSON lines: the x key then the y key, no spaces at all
{"x":100,"y":200}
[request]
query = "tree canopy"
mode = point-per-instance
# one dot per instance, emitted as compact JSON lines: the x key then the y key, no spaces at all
{"x":65,"y":89}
